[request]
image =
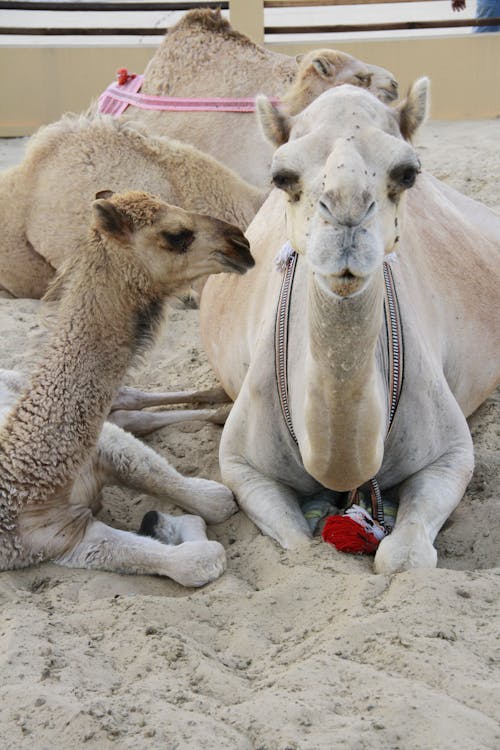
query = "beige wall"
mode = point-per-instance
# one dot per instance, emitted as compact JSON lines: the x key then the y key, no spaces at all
{"x":39,"y":84}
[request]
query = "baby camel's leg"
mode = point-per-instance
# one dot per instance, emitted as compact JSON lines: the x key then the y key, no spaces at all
{"x":131,"y":463}
{"x":133,"y":398}
{"x":173,"y":529}
{"x":128,"y":402}
{"x":191,"y":563}
{"x":144,"y":422}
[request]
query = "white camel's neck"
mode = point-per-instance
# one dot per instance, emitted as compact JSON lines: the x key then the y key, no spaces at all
{"x":57,"y":421}
{"x":345,"y":402}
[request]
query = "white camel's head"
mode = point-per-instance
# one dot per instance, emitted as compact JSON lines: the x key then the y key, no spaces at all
{"x":345,"y":163}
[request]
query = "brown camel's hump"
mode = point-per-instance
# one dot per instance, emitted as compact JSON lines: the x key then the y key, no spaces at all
{"x":208,"y":21}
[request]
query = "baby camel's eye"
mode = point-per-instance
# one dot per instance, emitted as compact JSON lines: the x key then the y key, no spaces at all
{"x":285,"y":179}
{"x":178,"y":242}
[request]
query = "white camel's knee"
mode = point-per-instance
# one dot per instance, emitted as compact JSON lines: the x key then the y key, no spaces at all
{"x":409,"y":546}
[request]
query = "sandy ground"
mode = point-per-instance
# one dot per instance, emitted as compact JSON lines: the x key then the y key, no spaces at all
{"x":304,"y":650}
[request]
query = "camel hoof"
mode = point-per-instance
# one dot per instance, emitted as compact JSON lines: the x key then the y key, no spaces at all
{"x":405,"y":549}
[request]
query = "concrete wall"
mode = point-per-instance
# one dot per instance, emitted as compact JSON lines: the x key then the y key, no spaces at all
{"x":39,"y":84}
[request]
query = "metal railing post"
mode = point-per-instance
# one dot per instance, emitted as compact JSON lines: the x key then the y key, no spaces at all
{"x":247,"y":16}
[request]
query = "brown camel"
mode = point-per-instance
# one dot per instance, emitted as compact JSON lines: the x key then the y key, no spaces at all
{"x":188,"y":63}
{"x":55,"y":454}
{"x":44,"y":201}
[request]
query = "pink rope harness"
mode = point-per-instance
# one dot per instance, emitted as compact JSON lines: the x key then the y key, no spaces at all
{"x":125,"y":92}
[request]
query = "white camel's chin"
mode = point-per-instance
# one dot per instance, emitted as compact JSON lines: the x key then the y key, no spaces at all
{"x":343,"y":284}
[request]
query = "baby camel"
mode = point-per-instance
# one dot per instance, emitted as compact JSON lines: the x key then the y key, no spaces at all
{"x":55,"y":450}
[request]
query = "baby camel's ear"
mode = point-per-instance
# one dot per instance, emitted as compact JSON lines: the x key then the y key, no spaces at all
{"x":110,"y":220}
{"x":104,"y":194}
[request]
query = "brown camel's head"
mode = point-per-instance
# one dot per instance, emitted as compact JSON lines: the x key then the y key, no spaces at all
{"x":322,"y":69}
{"x":174,"y":246}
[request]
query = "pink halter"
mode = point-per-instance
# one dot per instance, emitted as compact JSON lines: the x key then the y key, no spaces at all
{"x":118,"y":96}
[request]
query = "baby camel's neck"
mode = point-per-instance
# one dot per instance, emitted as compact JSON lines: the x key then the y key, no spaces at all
{"x":101,"y":318}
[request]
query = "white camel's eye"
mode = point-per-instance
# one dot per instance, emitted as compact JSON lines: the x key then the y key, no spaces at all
{"x":405,"y":175}
{"x":286,"y":179}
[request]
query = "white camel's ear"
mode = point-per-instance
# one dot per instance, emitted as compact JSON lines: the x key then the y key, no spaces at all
{"x":108,"y":219}
{"x":274,"y":124}
{"x":413,"y":111}
{"x":104,"y":194}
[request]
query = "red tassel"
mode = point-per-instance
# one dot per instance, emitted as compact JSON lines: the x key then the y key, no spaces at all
{"x":355,"y":532}
{"x":124,"y":76}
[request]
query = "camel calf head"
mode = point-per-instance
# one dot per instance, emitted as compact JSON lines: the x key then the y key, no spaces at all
{"x":174,"y":246}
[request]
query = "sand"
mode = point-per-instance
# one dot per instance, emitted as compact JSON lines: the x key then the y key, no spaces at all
{"x":304,"y":650}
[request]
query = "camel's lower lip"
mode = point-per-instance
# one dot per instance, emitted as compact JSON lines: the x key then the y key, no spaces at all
{"x":345,"y":283}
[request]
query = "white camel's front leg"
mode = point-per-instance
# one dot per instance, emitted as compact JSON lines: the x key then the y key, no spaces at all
{"x":249,"y":459}
{"x":272,"y":506}
{"x":426,"y":500}
{"x":133,"y":464}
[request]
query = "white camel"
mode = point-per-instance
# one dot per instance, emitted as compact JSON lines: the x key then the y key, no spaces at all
{"x":56,"y":452}
{"x":351,"y":195}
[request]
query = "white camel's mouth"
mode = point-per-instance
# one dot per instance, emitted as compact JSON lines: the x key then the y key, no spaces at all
{"x":345,"y":283}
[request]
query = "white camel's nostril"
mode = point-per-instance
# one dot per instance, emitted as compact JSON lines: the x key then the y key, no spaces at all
{"x":325,"y":209}
{"x":371,"y":210}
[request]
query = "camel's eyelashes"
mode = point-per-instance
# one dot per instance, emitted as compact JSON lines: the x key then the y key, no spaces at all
{"x":364,"y":79}
{"x":285,"y":179}
{"x":404,"y":175}
{"x":179,"y":241}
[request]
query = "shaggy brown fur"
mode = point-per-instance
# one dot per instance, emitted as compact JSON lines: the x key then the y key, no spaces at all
{"x":211,"y":22}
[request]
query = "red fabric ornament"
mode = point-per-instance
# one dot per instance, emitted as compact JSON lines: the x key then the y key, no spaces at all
{"x":124,"y":76}
{"x":355,"y":532}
